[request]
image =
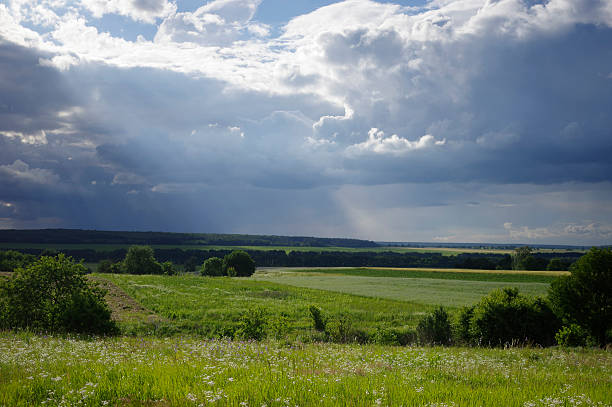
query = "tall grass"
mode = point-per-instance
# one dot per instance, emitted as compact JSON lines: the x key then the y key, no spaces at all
{"x":125,"y":371}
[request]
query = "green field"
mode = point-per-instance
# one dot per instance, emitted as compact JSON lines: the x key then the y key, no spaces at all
{"x":212,"y":306}
{"x":126,"y":371}
{"x":422,"y":287}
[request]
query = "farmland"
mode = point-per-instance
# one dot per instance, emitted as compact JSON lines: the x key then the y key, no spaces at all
{"x":174,"y":350}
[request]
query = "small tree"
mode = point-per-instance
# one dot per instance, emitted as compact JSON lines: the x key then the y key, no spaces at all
{"x":242,"y":263}
{"x":521,"y":258}
{"x":168,"y":268}
{"x":435,"y":328}
{"x":585,"y":296}
{"x":212,"y":267}
{"x":141,"y":260}
{"x":53,"y":295}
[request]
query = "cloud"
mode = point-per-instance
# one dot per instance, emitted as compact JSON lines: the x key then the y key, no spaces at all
{"x":395,"y":145}
{"x":572,"y":231}
{"x":147,"y":11}
{"x":20,"y":171}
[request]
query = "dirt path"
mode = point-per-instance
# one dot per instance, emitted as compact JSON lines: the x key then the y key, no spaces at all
{"x":123,"y":307}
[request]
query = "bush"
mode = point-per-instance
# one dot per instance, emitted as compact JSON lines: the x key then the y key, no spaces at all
{"x":435,"y":328}
{"x":252,"y":324}
{"x":11,"y":260}
{"x":385,"y":336}
{"x":318,"y":320}
{"x":339,"y":329}
{"x":279,"y":326}
{"x":168,"y":268}
{"x":241,"y":262}
{"x":53,"y":295}
{"x":463,"y":325}
{"x":141,"y":260}
{"x":212,"y":267}
{"x":585,"y":297}
{"x":506,"y":317}
{"x":572,"y":335}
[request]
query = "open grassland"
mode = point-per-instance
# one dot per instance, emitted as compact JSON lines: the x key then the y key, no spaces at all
{"x":423,"y":287}
{"x":128,"y":371}
{"x":212,"y":306}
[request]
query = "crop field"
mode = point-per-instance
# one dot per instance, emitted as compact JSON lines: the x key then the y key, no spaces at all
{"x":212,"y":306}
{"x":128,"y":371}
{"x":447,"y":288}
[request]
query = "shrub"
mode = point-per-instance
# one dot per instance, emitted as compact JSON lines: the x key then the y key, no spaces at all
{"x":11,"y":260}
{"x":435,"y":328}
{"x":279,"y":326}
{"x":141,"y":260}
{"x":572,"y":335}
{"x":318,"y":320}
{"x":463,"y":324}
{"x":53,"y":295}
{"x":585,"y":296}
{"x":385,"y":336}
{"x":168,"y":268}
{"x":241,"y":262}
{"x":212,"y":267}
{"x":252,"y":324}
{"x":339,"y":329}
{"x":105,"y":266}
{"x":506,"y":317}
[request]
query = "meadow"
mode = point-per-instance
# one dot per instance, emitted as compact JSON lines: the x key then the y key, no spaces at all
{"x":450,"y":289}
{"x":179,"y":371}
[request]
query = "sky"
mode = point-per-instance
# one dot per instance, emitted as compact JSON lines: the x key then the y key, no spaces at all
{"x":437,"y":121}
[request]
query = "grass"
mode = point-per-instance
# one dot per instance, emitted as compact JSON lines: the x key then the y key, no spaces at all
{"x":422,"y":287}
{"x":212,"y":306}
{"x":127,"y":371}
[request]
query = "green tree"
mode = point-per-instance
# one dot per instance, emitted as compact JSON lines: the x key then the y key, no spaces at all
{"x":53,"y":295}
{"x":241,"y":262}
{"x":435,"y":328}
{"x":212,"y":267}
{"x":521,"y":258}
{"x":141,"y":260}
{"x":585,"y":296}
{"x":168,"y":268}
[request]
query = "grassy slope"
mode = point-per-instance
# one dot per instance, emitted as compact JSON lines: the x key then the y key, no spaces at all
{"x":187,"y":372}
{"x":212,"y":306}
{"x":420,"y":287}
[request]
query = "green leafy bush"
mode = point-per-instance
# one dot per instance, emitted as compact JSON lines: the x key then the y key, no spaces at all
{"x":279,"y":326}
{"x":318,"y":320}
{"x":572,"y":335}
{"x":506,"y":317}
{"x":252,"y":324}
{"x":168,"y":268}
{"x":242,"y":263}
{"x":141,"y":260}
{"x":435,"y":328}
{"x":339,"y":328}
{"x":585,"y":296}
{"x":212,"y":267}
{"x":11,"y":260}
{"x":53,"y":295}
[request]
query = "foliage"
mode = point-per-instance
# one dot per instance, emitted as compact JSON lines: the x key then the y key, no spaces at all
{"x":506,"y":317}
{"x":252,"y":324}
{"x":10,"y":260}
{"x":318,"y":320}
{"x":585,"y":297}
{"x":520,"y":257}
{"x":52,"y":294}
{"x":572,"y":335}
{"x":241,"y":262}
{"x":168,"y":268}
{"x":340,"y":328}
{"x":212,"y":267}
{"x":463,"y":324}
{"x":141,"y":260}
{"x":435,"y":328}
{"x":105,"y":266}
{"x":279,"y":326}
